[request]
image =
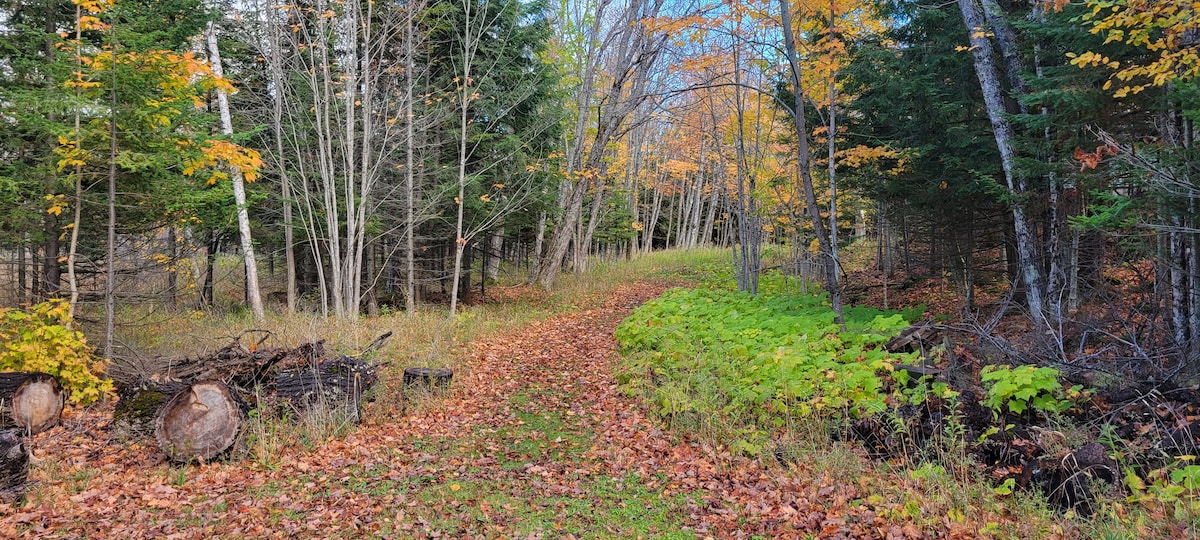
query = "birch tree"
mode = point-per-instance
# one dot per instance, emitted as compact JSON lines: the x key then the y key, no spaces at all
{"x":988,"y":72}
{"x":253,"y":294}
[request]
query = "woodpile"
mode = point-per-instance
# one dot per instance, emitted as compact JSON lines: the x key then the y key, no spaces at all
{"x":339,"y":382}
{"x":197,"y":406}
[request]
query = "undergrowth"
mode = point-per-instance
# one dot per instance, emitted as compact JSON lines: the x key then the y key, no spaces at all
{"x":758,"y":359}
{"x":772,"y":376}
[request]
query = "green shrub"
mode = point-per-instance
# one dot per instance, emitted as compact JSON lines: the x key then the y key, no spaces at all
{"x":41,"y":339}
{"x":1018,"y":389}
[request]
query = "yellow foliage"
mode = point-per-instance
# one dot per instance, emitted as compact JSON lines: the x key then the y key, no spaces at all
{"x":214,"y":153}
{"x":1159,"y":26}
{"x":41,"y":339}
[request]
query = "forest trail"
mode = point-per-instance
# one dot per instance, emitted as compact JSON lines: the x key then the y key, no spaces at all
{"x":535,"y":440}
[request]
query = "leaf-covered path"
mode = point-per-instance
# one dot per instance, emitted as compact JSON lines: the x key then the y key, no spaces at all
{"x":534,"y":441}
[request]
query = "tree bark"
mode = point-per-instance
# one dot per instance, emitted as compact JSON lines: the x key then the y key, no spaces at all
{"x":253,"y":293}
{"x":988,"y":73}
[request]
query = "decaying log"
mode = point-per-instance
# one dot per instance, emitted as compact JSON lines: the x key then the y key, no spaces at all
{"x":340,"y":382}
{"x":239,"y":365}
{"x":437,"y":379}
{"x":918,"y":337}
{"x":37,"y":404}
{"x":14,"y":466}
{"x":199,"y":422}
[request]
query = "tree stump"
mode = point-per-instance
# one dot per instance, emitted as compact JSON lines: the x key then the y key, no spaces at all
{"x":37,"y":404}
{"x":14,"y":466}
{"x":437,"y":380}
{"x":198,"y":423}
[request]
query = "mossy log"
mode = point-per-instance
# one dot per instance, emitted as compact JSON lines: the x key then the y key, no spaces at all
{"x":198,"y":423}
{"x":14,"y":466}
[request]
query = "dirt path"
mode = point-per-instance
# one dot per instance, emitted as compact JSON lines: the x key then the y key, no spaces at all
{"x":535,"y":441}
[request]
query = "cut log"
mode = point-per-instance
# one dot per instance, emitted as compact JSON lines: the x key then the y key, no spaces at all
{"x":198,"y":423}
{"x":37,"y":404}
{"x":341,"y":382}
{"x":14,"y":466}
{"x":437,"y":379}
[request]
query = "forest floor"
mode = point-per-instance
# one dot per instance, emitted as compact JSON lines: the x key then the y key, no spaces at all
{"x":535,"y":440}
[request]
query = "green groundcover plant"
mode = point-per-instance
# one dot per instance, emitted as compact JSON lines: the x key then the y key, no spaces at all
{"x":760,"y":358}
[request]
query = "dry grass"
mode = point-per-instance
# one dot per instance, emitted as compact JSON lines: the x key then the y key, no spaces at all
{"x":149,"y":334}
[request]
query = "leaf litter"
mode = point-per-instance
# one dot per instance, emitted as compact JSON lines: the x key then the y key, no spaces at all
{"x":534,"y":440}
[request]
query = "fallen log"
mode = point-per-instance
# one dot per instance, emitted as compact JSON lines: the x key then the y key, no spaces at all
{"x":31,"y":401}
{"x":198,"y":423}
{"x":14,"y":466}
{"x":242,"y":368}
{"x":341,"y":382}
{"x":919,"y":337}
{"x":10,"y":382}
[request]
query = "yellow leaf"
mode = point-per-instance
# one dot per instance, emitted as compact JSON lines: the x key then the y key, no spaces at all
{"x":455,"y":487}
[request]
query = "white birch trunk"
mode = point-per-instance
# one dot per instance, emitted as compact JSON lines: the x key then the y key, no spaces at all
{"x":253,"y":294}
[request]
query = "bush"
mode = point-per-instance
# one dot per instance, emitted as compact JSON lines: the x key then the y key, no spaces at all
{"x":1018,"y":389}
{"x":41,"y":339}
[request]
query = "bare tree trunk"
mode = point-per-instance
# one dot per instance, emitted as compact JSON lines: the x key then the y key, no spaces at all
{"x":593,"y":221}
{"x":410,"y":223}
{"x":172,"y":279}
{"x":77,"y":215}
{"x":804,"y":162}
{"x":285,"y":183}
{"x":494,"y":254}
{"x":714,"y":200}
{"x":110,"y":274}
{"x":253,"y":294}
{"x":470,"y":42}
{"x":989,"y":79}
{"x":538,"y":239}
{"x":648,"y":233}
{"x":833,"y":206}
{"x":22,"y":271}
